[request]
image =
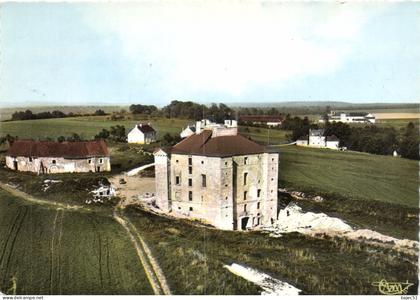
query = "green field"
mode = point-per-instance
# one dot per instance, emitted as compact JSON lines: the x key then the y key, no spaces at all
{"x":49,"y":251}
{"x":193,"y":258}
{"x":350,"y":174}
{"x":369,"y":191}
{"x":86,"y":127}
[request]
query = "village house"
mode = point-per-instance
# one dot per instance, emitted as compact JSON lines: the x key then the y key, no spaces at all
{"x":268,"y":120}
{"x":350,"y":117}
{"x":317,"y":139}
{"x":58,"y":157}
{"x":205,"y":124}
{"x":142,"y":134}
{"x":220,"y":177}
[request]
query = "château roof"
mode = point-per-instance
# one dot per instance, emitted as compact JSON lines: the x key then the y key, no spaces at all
{"x":31,"y":148}
{"x":220,"y":146}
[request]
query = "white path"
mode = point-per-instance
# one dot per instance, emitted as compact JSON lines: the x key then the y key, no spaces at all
{"x":270,"y":286}
{"x":137,"y":170}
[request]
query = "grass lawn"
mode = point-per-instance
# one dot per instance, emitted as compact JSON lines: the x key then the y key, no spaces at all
{"x":266,"y":136}
{"x":47,"y":251}
{"x":372,"y":191}
{"x":193,"y":258}
{"x":350,"y":174}
{"x":86,"y":127}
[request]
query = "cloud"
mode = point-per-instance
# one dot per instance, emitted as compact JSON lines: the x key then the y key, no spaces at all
{"x":230,"y":47}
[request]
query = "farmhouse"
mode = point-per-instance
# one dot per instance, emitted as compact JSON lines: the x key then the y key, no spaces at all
{"x":350,"y":117}
{"x":55,"y":157}
{"x":218,"y":176}
{"x":262,"y":119}
{"x":142,"y":134}
{"x":317,"y":139}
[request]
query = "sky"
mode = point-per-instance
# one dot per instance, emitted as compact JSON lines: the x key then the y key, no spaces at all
{"x":153,"y":52}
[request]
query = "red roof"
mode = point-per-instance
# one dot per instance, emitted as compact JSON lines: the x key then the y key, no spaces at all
{"x":261,"y":118}
{"x":30,"y":148}
{"x":221,"y":146}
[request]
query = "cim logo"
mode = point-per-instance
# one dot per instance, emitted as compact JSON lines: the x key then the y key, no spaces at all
{"x":392,"y":288}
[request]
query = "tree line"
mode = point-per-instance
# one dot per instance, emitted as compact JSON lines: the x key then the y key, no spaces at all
{"x":29,"y":115}
{"x":186,"y":110}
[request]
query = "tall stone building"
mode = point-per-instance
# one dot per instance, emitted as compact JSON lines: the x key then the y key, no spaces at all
{"x":220,"y":177}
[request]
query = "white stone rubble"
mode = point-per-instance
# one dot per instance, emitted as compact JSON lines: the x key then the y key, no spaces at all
{"x":293,"y":219}
{"x":271,"y":286}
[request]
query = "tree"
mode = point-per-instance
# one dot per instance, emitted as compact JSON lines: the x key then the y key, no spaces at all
{"x":61,"y":139}
{"x":143,"y":109}
{"x":104,"y":134}
{"x":74,"y":138}
{"x":409,"y":147}
{"x":117,"y":133}
{"x":100,"y":112}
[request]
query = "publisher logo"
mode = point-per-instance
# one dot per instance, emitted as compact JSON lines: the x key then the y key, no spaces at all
{"x":392,"y":288}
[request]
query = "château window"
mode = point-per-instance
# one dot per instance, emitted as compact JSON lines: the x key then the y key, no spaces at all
{"x":190,"y":196}
{"x":245,"y":178}
{"x":54,"y":161}
{"x":191,"y":209}
{"x":190,"y":170}
{"x":258,"y":205}
{"x":245,"y":208}
{"x":245,"y":194}
{"x":190,"y":182}
{"x":177,"y":180}
{"x":100,"y":160}
{"x":245,"y":160}
{"x":30,"y":159}
{"x":89,"y":161}
{"x":189,"y":161}
{"x":258,"y":193}
{"x":203,"y":180}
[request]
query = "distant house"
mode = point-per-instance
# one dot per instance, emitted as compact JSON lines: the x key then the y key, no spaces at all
{"x":317,"y":139}
{"x":55,"y":157}
{"x":142,"y":134}
{"x":262,"y":119}
{"x":190,"y":130}
{"x":350,"y":117}
{"x":207,"y":124}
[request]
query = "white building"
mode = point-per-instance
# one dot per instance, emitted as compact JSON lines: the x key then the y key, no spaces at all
{"x":189,"y":130}
{"x":350,"y":117}
{"x":206,"y":124}
{"x":142,"y":134}
{"x":219,"y":177}
{"x":317,"y":139}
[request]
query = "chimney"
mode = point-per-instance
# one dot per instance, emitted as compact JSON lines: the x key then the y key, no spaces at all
{"x":198,"y":127}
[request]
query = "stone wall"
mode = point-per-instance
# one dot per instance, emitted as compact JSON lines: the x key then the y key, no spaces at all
{"x":58,"y":164}
{"x":162,"y":180}
{"x":180,"y":189}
